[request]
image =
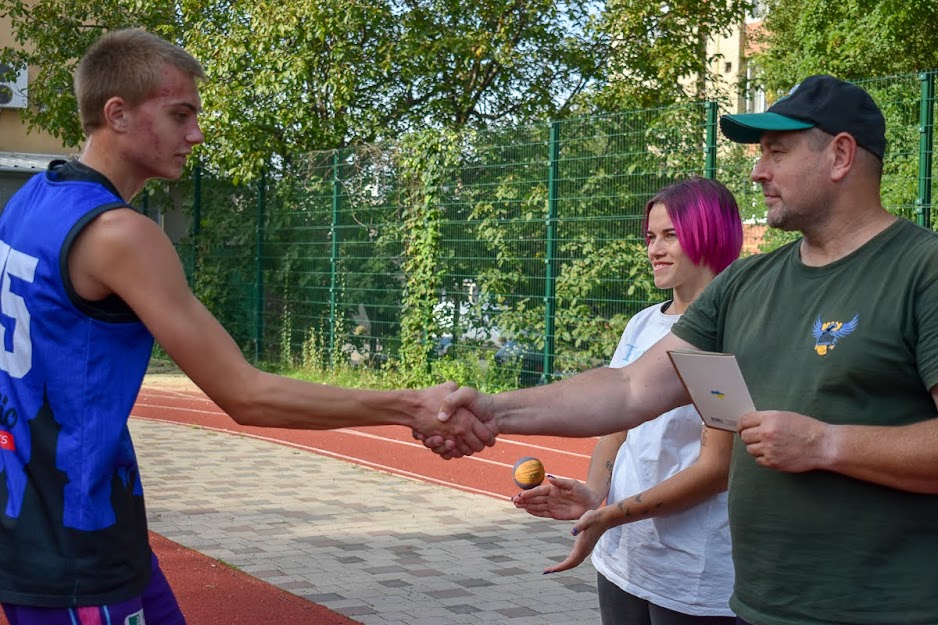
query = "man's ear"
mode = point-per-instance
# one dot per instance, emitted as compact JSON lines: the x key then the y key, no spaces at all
{"x":115,"y":114}
{"x":843,"y":151}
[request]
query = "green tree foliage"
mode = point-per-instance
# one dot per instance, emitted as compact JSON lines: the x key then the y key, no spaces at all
{"x":659,"y":49}
{"x":51,"y":35}
{"x":499,"y":60}
{"x":852,"y":39}
{"x":286,"y":78}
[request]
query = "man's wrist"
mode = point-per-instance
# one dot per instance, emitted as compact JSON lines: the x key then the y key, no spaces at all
{"x":408,"y":408}
{"x":830,"y":446}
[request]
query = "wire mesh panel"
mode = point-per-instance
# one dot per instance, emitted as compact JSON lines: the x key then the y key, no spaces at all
{"x":543,"y":241}
{"x":331,"y":249}
{"x":539,"y":260}
{"x":609,"y":168}
{"x":295,"y":245}
{"x":492,"y":244}
{"x":220,"y":254}
{"x":369,"y":280}
{"x":899,"y":99}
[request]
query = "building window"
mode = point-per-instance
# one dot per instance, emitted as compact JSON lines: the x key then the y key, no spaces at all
{"x":755,"y":94}
{"x":758,"y":10}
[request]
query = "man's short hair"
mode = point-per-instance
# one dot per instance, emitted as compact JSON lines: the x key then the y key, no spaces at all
{"x":706,"y":220}
{"x":127,"y":64}
{"x":818,"y":140}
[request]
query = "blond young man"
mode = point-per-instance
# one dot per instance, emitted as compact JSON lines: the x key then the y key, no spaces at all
{"x":88,"y":283}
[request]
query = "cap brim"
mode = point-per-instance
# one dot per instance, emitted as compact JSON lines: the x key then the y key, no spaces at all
{"x":748,"y":127}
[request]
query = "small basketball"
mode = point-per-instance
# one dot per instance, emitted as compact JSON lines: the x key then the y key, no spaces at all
{"x":528,"y":472}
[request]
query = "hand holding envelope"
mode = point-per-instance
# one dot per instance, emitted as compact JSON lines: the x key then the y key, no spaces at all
{"x":715,"y":385}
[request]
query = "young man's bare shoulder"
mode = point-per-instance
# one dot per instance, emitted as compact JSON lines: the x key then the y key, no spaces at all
{"x":122,"y":225}
{"x":117,"y":239}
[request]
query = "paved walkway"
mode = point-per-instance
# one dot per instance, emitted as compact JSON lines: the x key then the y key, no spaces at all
{"x":381,"y":549}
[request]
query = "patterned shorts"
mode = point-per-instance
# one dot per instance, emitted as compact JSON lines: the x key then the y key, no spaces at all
{"x":156,"y":606}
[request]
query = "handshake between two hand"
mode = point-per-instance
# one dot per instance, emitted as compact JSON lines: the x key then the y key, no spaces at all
{"x":455,"y":422}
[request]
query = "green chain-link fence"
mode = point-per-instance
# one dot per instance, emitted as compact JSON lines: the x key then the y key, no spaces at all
{"x":514,"y":254}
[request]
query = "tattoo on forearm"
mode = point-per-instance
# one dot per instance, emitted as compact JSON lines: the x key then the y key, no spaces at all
{"x":642,"y":512}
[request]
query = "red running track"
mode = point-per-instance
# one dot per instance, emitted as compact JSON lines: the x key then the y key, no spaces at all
{"x":384,"y":448}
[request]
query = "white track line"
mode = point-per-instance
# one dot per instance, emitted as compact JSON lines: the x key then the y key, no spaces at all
{"x":359,"y":461}
{"x":502,"y":440}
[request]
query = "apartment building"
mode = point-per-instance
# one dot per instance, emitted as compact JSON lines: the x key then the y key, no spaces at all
{"x":733,"y":66}
{"x":23,"y":152}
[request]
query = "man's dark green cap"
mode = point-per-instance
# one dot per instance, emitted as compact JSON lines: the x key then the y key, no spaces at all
{"x":822,"y":102}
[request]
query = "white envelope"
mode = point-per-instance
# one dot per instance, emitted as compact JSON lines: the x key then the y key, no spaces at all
{"x":715,"y":385}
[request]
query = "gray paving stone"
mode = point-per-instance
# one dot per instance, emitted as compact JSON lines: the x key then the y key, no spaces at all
{"x":381,"y":549}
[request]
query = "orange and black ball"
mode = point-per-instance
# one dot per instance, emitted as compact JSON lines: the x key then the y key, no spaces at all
{"x":528,"y":472}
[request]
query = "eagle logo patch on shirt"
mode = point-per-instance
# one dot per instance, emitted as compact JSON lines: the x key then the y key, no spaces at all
{"x":828,"y":333}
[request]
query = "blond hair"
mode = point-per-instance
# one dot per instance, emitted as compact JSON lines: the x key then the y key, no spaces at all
{"x":125,"y":63}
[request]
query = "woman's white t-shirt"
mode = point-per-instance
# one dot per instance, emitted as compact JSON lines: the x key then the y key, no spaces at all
{"x":680,"y":561}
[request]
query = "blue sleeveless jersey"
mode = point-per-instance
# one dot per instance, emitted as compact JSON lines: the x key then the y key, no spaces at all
{"x":72,"y":520}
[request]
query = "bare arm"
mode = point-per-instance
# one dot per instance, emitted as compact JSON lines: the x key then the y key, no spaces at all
{"x":592,"y":403}
{"x":602,"y":461}
{"x":125,"y":253}
{"x":902,"y":457}
{"x":706,"y":477}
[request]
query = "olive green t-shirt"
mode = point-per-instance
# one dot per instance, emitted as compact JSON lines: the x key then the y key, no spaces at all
{"x":852,"y":342}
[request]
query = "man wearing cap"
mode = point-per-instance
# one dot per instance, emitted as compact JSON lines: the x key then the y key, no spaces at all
{"x":833,"y":506}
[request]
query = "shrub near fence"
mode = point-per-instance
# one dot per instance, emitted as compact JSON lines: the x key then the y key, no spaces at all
{"x":502,"y":257}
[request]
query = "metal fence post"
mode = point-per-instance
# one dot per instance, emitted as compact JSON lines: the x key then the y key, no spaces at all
{"x":926,"y":144}
{"x":550,"y":259}
{"x":334,"y":255}
{"x":711,"y":164}
{"x":259,"y":271}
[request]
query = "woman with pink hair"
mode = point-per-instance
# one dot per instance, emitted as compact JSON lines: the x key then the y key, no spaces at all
{"x":662,"y":544}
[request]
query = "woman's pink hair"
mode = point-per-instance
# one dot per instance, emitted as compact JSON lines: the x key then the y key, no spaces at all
{"x":706,"y":220}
